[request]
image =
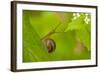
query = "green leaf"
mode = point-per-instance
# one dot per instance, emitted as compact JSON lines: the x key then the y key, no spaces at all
{"x":76,"y":24}
{"x":33,"y":48}
{"x":82,"y":30}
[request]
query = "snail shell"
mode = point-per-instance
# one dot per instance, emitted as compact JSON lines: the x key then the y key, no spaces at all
{"x":50,"y":44}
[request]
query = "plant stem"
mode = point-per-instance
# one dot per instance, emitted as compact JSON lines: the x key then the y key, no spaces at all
{"x":51,"y":32}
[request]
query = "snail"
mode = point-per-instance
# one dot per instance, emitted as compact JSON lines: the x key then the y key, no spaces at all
{"x":49,"y":44}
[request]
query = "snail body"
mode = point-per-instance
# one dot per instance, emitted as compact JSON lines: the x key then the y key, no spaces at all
{"x":49,"y":44}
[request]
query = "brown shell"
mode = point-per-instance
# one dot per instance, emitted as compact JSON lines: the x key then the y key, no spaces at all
{"x":50,"y":44}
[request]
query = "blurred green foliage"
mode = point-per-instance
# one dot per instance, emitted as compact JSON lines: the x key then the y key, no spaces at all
{"x":37,"y":25}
